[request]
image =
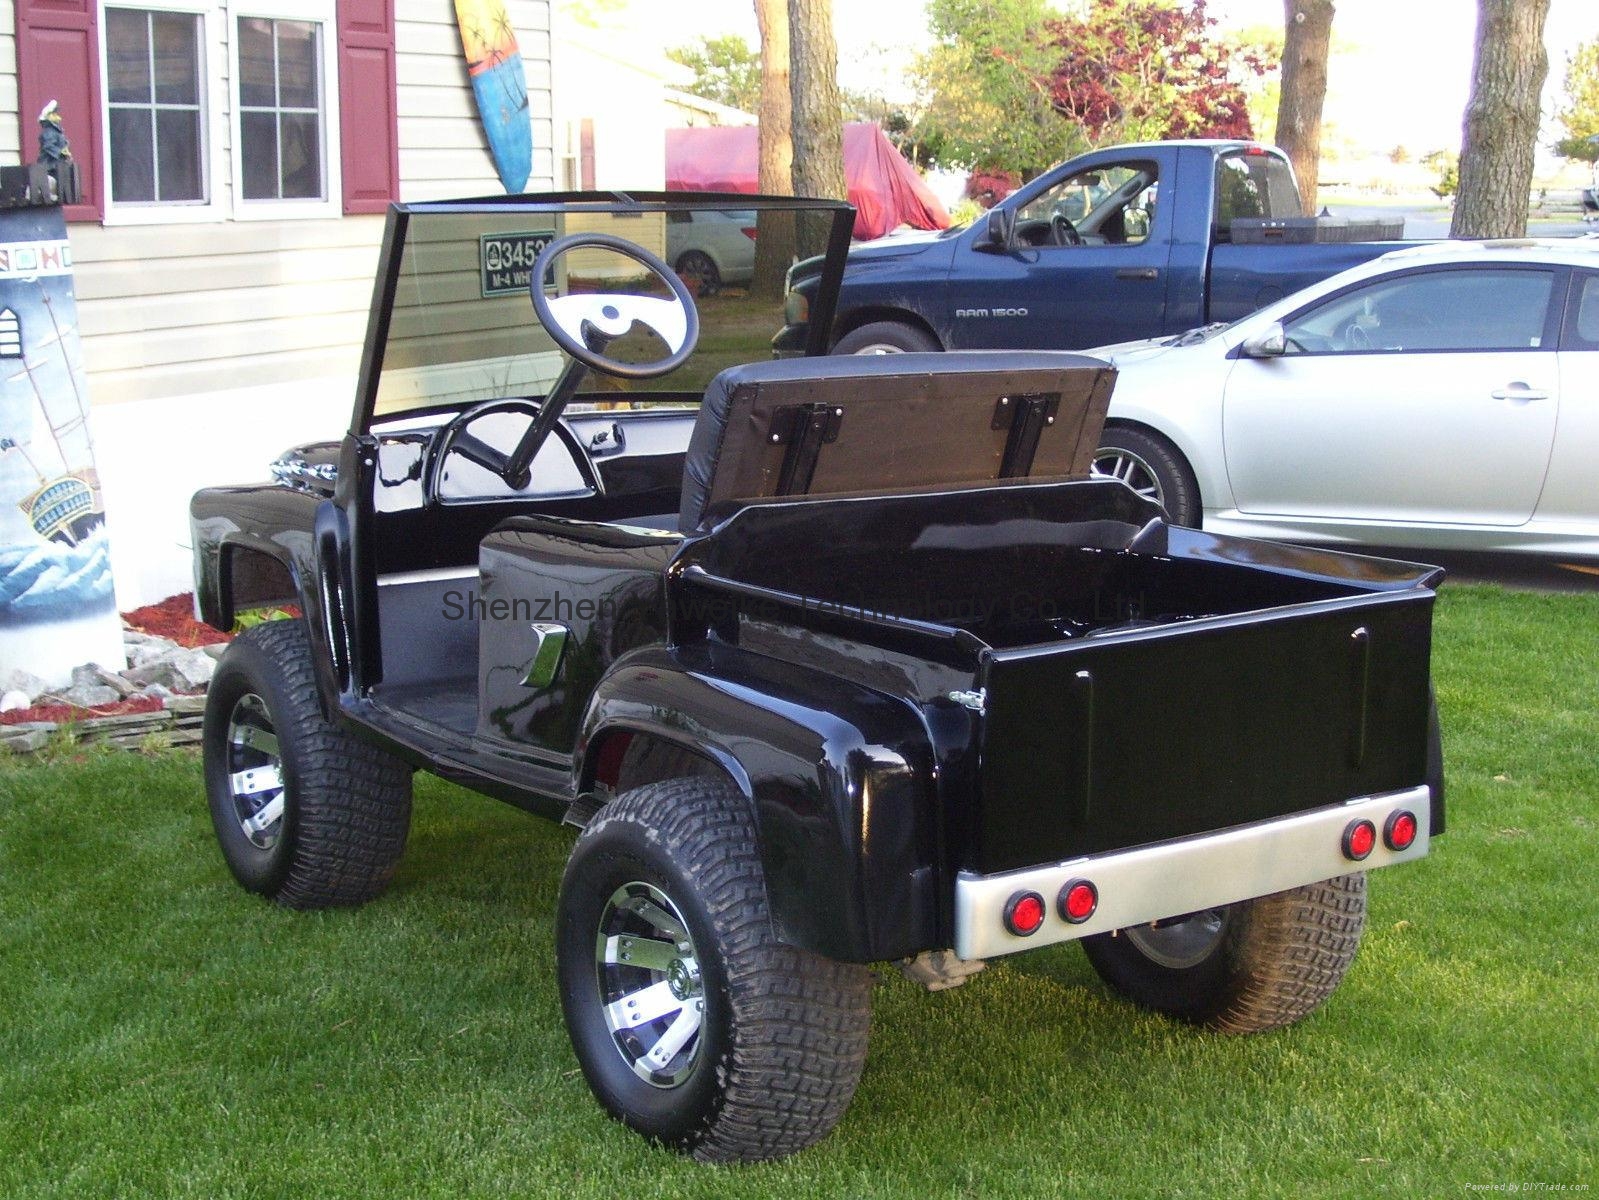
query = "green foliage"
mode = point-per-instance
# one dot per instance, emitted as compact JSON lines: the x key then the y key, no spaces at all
{"x":985,"y":79}
{"x":1447,"y":164}
{"x":1016,"y":85}
{"x":726,"y":70}
{"x":1579,"y":115}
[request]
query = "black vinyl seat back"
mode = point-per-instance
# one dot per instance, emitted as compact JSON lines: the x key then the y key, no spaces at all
{"x":893,"y":422}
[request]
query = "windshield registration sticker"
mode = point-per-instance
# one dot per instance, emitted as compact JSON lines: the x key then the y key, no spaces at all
{"x":506,"y":260}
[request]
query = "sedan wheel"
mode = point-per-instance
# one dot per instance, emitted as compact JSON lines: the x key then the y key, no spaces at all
{"x":1152,"y":467}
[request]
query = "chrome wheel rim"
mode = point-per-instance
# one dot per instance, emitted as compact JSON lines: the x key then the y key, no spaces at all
{"x":255,"y":772}
{"x":1182,"y":943}
{"x":880,"y":348}
{"x":1113,"y":463}
{"x":650,"y":988}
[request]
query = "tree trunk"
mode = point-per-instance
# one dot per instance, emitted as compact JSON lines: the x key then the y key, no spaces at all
{"x":774,"y":240}
{"x":818,"y":129}
{"x":1501,"y":125}
{"x":1307,"y":34}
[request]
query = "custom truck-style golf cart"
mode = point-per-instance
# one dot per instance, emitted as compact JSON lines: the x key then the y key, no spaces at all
{"x":832,"y":662}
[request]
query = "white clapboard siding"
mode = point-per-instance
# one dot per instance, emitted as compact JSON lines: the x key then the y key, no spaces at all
{"x":174,"y":310}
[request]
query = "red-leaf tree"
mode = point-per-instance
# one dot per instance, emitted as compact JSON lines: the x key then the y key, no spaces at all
{"x":1136,"y":70}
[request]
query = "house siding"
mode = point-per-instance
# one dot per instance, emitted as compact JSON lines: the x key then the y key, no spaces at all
{"x":211,"y":345}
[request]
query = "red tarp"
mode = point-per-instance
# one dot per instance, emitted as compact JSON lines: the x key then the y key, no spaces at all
{"x":885,"y":189}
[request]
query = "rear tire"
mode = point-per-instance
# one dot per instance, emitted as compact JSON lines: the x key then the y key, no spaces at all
{"x":305,"y":813}
{"x":1257,"y":965}
{"x":692,"y":1023}
{"x":887,"y":337}
{"x":1153,"y":468}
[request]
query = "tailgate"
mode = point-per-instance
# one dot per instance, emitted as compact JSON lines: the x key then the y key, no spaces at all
{"x":1143,"y":735}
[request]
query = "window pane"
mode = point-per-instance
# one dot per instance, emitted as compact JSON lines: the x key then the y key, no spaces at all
{"x":177,"y":133}
{"x":297,"y":73}
{"x":258,"y":149}
{"x":255,"y":63}
{"x":302,"y":156}
{"x":1437,"y":310}
{"x":127,"y":52}
{"x":132,"y":156}
{"x":177,"y":58}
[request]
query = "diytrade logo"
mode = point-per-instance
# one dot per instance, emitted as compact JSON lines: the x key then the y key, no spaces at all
{"x":990,"y":312}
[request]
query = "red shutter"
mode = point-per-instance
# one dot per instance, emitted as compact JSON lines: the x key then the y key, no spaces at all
{"x":368,"y":127}
{"x":58,"y":58}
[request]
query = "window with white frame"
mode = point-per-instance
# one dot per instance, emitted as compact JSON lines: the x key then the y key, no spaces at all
{"x":225,"y":91}
{"x":155,"y":73}
{"x":281,"y":114}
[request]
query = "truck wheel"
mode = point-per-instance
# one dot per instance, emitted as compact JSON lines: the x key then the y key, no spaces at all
{"x":692,"y":1023}
{"x":305,"y":813}
{"x":1247,"y":967}
{"x":886,"y":337}
{"x":1153,"y":468}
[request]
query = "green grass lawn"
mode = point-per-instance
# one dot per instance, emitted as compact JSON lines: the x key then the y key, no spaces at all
{"x":164,"y":1034}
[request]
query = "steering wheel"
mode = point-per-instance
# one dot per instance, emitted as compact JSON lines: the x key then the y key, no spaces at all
{"x":584,"y":323}
{"x":1356,"y":339}
{"x":454,"y":438}
{"x":1063,"y":231}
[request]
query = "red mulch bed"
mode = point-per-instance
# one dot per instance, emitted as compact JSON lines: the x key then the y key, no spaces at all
{"x":174,"y":618}
{"x":62,"y":714}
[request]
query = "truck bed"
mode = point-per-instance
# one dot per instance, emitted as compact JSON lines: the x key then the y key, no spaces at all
{"x":1138,"y":682}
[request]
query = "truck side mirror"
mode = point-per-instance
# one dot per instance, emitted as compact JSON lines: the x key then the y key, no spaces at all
{"x":1270,"y":342}
{"x":997,"y":232}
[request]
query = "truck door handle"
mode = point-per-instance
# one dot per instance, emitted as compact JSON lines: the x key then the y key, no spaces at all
{"x":1519,"y":391}
{"x":1138,"y":273}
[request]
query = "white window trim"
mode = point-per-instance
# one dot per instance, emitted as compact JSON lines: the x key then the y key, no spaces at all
{"x":323,"y":13}
{"x":213,"y":161}
{"x":221,"y":162}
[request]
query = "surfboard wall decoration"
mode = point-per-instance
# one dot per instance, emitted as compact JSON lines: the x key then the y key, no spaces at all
{"x":499,"y":84}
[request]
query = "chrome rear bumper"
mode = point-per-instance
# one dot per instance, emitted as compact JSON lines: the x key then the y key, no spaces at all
{"x":1171,"y":878}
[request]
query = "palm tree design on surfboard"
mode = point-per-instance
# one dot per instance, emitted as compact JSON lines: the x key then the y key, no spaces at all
{"x":499,"y":84}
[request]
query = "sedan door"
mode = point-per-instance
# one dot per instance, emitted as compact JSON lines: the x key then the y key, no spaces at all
{"x":1427,"y":396}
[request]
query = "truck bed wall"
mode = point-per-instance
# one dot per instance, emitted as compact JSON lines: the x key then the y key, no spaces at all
{"x":1011,"y":567}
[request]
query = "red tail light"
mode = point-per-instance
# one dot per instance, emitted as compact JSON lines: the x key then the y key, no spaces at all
{"x":1024,"y":913}
{"x":1399,"y":831}
{"x":1078,"y":900}
{"x":748,"y":231}
{"x":1360,"y":839}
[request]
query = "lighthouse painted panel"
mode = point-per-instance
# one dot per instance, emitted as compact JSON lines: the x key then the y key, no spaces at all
{"x":499,"y":84}
{"x":57,"y":608}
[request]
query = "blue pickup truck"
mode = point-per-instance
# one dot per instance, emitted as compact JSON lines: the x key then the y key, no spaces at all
{"x":1126,"y":242}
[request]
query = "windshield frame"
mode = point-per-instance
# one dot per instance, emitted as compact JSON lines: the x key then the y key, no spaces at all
{"x":391,"y":256}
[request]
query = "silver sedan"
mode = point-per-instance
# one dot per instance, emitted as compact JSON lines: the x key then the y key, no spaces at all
{"x":1440,"y":397}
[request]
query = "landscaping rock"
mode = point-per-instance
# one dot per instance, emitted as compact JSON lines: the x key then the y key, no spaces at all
{"x":179,"y":669}
{"x":24,"y":741}
{"x":15,"y":699}
{"x":94,"y":675}
{"x":21,"y":681}
{"x":150,"y":650}
{"x":88,"y":695}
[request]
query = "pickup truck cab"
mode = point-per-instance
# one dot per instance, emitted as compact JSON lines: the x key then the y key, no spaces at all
{"x":1127,"y":242}
{"x":832,"y":662}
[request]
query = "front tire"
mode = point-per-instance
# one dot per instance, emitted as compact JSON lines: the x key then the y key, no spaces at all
{"x":887,"y":337}
{"x":304,"y":812}
{"x":1248,"y":967}
{"x":692,"y":1023}
{"x":1153,"y":468}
